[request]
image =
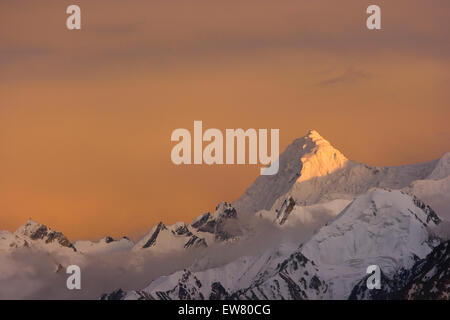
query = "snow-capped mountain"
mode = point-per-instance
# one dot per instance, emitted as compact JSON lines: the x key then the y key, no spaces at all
{"x":39,"y":237}
{"x":175,"y":237}
{"x":36,"y":236}
{"x":281,"y":273}
{"x":314,"y":183}
{"x":383,"y":227}
{"x":429,"y":278}
{"x":206,"y":229}
{"x":312,"y":171}
{"x":435,"y":188}
{"x":332,"y":217}
{"x":386,"y":228}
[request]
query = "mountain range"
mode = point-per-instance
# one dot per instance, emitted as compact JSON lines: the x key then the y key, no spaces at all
{"x":308,"y":232}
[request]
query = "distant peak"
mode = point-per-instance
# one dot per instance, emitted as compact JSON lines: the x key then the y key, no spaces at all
{"x":38,"y":231}
{"x":31,"y":222}
{"x":313,"y":134}
{"x":316,"y":139}
{"x":320,"y":158}
{"x":31,"y":226}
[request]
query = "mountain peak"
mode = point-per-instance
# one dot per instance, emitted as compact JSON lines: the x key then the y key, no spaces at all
{"x":34,"y":231}
{"x":30,"y":227}
{"x":305,"y":158}
{"x":314,"y":135}
{"x":31,"y":222}
{"x":312,"y":140}
{"x":320,"y":157}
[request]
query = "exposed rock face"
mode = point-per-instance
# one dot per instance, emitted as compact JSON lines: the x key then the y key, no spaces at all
{"x":295,"y":278}
{"x":200,"y":221}
{"x":151,"y":241}
{"x":218,"y":292}
{"x":37,"y":236}
{"x":109,"y":239}
{"x":195,"y":242}
{"x":220,"y":226}
{"x":36,"y":231}
{"x":116,"y":295}
{"x":429,"y":278}
{"x":175,"y":237}
{"x":223,"y":223}
{"x":285,"y":210}
{"x":431,"y":215}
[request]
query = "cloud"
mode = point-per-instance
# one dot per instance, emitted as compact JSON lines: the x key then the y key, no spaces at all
{"x":350,"y":76}
{"x":163,"y":32}
{"x":29,"y":274}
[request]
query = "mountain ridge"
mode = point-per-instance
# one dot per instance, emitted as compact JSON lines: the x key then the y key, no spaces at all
{"x":319,"y":268}
{"x":320,"y":252}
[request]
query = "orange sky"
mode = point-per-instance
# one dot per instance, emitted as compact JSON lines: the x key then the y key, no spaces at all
{"x":86,"y":116}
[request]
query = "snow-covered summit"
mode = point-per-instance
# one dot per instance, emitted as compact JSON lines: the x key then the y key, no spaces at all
{"x":313,"y":171}
{"x":37,"y":236}
{"x":324,"y":219}
{"x":305,"y":158}
{"x":320,"y":157}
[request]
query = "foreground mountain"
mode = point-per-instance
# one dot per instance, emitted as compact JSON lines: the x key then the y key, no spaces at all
{"x":383,"y":227}
{"x":429,"y":278}
{"x":278,"y":274}
{"x":387,"y":228}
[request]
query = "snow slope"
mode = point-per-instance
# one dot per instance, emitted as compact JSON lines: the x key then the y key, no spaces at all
{"x":383,"y":227}
{"x":388,"y":228}
{"x":434,"y":192}
{"x":104,"y":245}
